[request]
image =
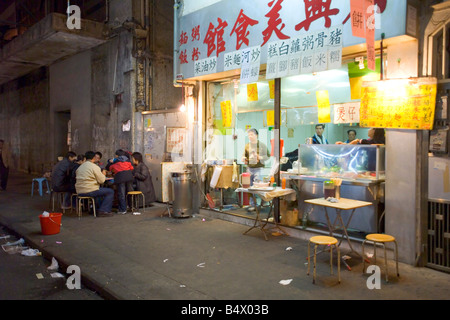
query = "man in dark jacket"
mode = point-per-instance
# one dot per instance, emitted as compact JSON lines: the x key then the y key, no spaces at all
{"x":122,"y":171}
{"x":61,"y":175}
{"x":143,"y":179}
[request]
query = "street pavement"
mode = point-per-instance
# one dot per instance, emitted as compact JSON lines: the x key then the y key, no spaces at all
{"x":152,"y":256}
{"x":28,"y":277}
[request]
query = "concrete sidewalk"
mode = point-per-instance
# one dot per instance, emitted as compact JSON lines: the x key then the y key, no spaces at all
{"x":200,"y":258}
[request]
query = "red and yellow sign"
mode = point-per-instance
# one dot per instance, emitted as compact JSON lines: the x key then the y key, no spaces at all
{"x":227,"y":113}
{"x":401,"y":104}
{"x":252,"y":92}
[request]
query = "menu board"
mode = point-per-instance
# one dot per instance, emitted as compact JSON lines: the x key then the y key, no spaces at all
{"x":175,"y":140}
{"x":399,"y":103}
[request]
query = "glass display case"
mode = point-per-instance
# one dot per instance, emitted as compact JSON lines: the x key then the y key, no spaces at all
{"x":345,"y":161}
{"x":362,"y":170}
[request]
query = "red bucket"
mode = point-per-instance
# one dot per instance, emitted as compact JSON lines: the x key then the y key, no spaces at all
{"x":51,"y":224}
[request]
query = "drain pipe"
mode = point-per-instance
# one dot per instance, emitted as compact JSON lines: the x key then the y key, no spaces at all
{"x":176,"y":50}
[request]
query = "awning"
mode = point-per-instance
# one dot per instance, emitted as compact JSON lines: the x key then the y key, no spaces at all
{"x":46,"y":42}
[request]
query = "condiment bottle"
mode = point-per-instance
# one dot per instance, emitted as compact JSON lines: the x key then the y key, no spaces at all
{"x":283,"y":183}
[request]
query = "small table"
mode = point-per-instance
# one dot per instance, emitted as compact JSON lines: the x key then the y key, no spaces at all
{"x":342,"y":204}
{"x":266,"y":195}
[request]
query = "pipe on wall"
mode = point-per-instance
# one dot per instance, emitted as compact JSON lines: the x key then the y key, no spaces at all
{"x":176,"y":6}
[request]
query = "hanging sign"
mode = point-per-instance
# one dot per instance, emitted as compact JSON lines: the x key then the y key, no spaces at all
{"x":400,"y":103}
{"x":323,"y":104}
{"x":252,"y":92}
{"x":250,"y":60}
{"x":271,"y":89}
{"x":227,"y":114}
{"x":270,"y":118}
{"x":370,"y":33}
{"x":346,"y":112}
{"x":357,"y":17}
{"x":312,"y":52}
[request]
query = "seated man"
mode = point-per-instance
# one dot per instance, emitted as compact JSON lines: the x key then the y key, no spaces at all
{"x":61,"y":174}
{"x":89,"y":178}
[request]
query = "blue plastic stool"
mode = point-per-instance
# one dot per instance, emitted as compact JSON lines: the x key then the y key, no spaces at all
{"x":40,"y":181}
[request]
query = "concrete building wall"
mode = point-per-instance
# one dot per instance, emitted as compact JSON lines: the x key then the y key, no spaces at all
{"x":165,"y":95}
{"x":95,"y":90}
{"x":70,"y":91}
{"x":24,"y":119}
{"x":402,"y":161}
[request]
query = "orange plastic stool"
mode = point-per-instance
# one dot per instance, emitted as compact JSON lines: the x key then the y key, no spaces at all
{"x":324,"y":241}
{"x":381,"y":239}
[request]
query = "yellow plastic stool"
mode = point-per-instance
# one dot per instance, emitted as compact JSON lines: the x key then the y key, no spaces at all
{"x":135,"y":200}
{"x":79,"y":205}
{"x":381,"y":239}
{"x":324,"y":241}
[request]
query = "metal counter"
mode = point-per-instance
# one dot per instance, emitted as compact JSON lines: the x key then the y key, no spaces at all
{"x":365,"y":219}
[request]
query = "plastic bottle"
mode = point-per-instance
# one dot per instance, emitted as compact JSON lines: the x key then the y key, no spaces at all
{"x":272,"y":180}
{"x":283,"y":183}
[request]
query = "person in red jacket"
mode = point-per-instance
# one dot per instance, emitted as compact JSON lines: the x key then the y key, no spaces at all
{"x":122,"y":171}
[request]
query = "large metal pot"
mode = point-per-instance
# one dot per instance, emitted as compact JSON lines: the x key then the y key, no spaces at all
{"x":182,"y":194}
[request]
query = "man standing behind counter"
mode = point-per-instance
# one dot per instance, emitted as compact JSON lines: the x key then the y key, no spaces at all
{"x":89,"y":179}
{"x":318,"y":138}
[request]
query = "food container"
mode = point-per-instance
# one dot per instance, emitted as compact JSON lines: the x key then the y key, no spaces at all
{"x":244,"y":180}
{"x":261,"y":184}
{"x":328,"y":189}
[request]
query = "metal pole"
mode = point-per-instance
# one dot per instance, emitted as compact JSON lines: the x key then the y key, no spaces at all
{"x":381,"y":59}
{"x":277,"y":122}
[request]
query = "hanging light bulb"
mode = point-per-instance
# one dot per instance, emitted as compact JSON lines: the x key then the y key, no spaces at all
{"x":183,"y":108}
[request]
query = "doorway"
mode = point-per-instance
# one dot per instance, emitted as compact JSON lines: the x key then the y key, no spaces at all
{"x":62,"y":134}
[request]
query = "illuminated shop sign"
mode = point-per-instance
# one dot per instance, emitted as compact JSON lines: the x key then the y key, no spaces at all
{"x":211,"y":39}
{"x":399,"y":103}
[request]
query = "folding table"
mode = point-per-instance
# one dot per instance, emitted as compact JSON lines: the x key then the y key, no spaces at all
{"x":266,"y":194}
{"x":342,"y":204}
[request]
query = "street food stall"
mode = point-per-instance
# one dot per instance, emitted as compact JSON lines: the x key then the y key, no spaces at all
{"x":361,"y":173}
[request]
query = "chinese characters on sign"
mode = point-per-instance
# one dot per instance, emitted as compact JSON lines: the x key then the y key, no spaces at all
{"x":205,"y":66}
{"x":175,"y":140}
{"x":404,"y":104}
{"x":346,"y":112}
{"x":357,"y":18}
{"x":227,"y":113}
{"x":370,"y":34}
{"x":250,"y":61}
{"x":312,"y":52}
{"x":295,"y":36}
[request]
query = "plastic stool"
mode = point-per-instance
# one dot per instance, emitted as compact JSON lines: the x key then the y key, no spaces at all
{"x":79,"y":205}
{"x":381,"y":239}
{"x":324,"y":241}
{"x":40,"y":181}
{"x":59,"y":198}
{"x":71,"y":202}
{"x":135,"y":200}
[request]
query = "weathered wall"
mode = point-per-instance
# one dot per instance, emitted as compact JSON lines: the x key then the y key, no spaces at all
{"x":165,"y":95}
{"x":70,"y":90}
{"x":24,"y":119}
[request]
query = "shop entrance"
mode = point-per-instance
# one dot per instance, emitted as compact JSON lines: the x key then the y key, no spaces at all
{"x":236,"y":113}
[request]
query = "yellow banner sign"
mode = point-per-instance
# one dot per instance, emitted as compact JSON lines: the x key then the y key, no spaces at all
{"x":271,"y":89}
{"x":270,"y":118}
{"x":323,"y":103}
{"x":252,"y":92}
{"x":227,"y":113}
{"x":401,"y":104}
